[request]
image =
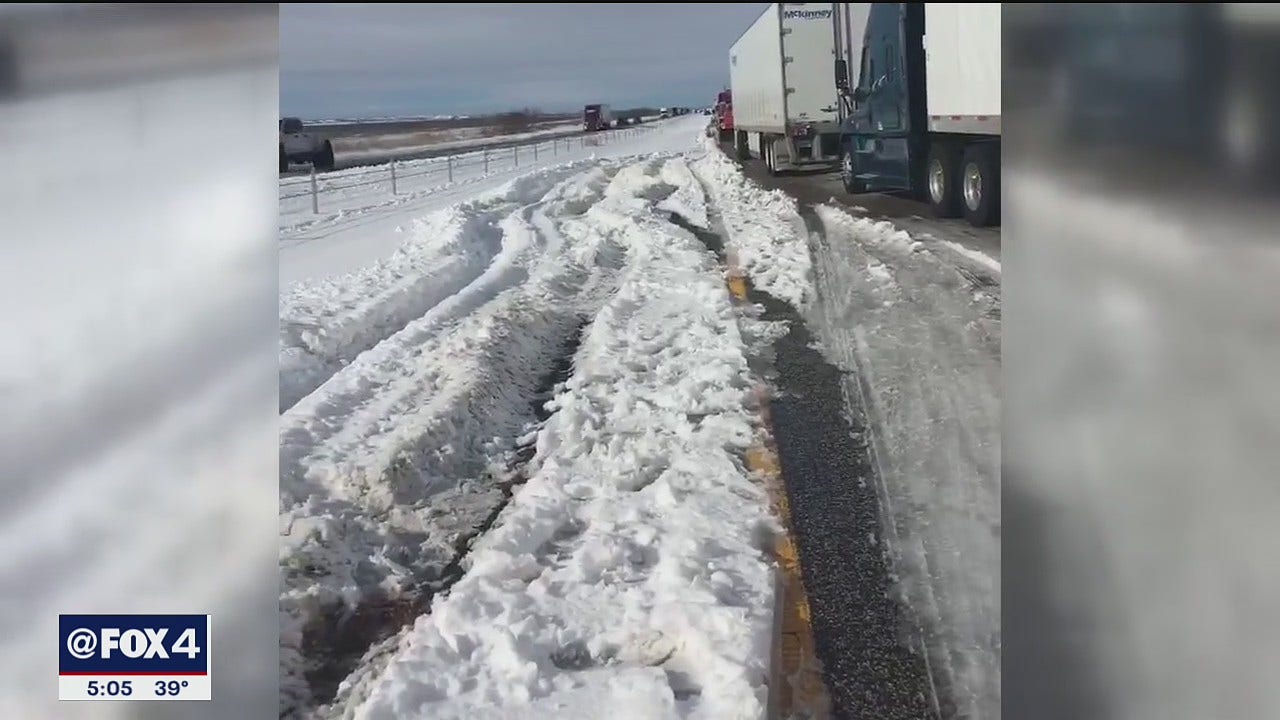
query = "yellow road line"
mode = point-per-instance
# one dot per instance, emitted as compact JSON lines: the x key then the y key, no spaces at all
{"x":796,"y":685}
{"x":735,"y":278}
{"x":797,"y":675}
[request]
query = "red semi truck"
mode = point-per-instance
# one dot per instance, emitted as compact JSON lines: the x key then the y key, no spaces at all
{"x":724,"y":115}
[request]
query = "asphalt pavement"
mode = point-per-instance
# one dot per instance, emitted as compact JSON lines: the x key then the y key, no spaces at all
{"x":864,"y":638}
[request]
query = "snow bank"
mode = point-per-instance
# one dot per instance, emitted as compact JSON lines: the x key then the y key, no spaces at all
{"x":360,"y":220}
{"x":325,"y":324}
{"x":765,"y":232}
{"x":870,"y":233}
{"x":397,"y":459}
{"x":977,"y":256}
{"x":629,"y":574}
{"x":688,"y":201}
{"x":393,"y":465}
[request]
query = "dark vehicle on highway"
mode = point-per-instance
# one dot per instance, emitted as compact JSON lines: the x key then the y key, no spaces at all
{"x":299,"y":146}
{"x":596,"y":117}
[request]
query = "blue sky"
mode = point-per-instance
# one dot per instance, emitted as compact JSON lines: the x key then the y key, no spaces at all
{"x":368,"y":60}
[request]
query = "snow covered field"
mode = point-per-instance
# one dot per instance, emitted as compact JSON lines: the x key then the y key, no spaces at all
{"x":538,"y":401}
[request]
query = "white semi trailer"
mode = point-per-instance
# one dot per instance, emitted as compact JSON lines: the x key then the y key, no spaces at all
{"x":785,"y":104}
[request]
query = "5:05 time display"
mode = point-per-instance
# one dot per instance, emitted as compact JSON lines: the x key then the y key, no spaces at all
{"x":110,"y":688}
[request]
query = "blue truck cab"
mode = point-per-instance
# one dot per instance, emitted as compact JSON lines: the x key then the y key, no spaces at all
{"x":885,"y":126}
{"x":889,"y":140}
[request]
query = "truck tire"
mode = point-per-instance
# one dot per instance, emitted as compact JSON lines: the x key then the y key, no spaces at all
{"x":766,"y":154}
{"x":740,"y":149}
{"x":849,"y":169}
{"x":942,"y":180}
{"x":284,"y":160}
{"x":322,"y":159}
{"x":980,"y":184}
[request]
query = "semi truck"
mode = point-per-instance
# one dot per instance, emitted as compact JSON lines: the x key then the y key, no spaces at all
{"x":596,"y":117}
{"x":299,"y":146}
{"x":724,"y":115}
{"x":920,"y":103}
{"x":785,"y":106}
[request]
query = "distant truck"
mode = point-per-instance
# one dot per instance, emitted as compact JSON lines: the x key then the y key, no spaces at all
{"x":724,"y":115}
{"x":299,"y":146}
{"x":596,"y":117}
{"x":664,"y":113}
{"x":920,"y":103}
{"x":785,"y":105}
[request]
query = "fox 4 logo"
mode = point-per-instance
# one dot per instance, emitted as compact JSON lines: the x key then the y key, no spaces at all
{"x":118,"y":643}
{"x":147,"y":643}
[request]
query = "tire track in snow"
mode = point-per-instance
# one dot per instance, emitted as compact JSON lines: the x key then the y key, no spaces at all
{"x":325,"y":325}
{"x":351,"y":646}
{"x":630,"y":572}
{"x":393,"y":466}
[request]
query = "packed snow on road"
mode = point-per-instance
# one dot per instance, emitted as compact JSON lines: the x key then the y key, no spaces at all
{"x":538,"y":402}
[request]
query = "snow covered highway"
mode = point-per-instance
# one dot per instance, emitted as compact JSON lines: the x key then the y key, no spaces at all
{"x":517,"y":414}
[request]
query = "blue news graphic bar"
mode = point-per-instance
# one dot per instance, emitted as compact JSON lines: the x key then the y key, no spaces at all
{"x":133,"y":645}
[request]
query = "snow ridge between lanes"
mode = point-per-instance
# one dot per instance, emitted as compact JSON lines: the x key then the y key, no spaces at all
{"x":629,"y":573}
{"x":765,"y":233}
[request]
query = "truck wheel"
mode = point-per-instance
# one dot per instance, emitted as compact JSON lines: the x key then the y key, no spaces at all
{"x":284,"y":160}
{"x":766,"y":152}
{"x":849,"y":170}
{"x":740,"y":148}
{"x":980,"y":185}
{"x":942,"y":180}
{"x":323,"y":158}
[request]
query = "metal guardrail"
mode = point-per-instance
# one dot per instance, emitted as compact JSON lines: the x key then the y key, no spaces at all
{"x":395,"y":173}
